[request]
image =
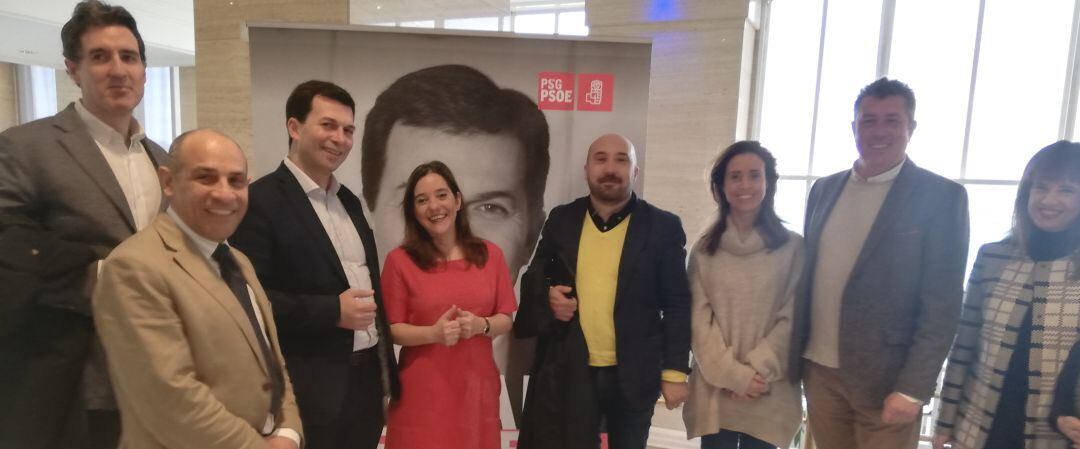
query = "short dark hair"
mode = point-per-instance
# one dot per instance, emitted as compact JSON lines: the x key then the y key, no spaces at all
{"x":298,"y":106}
{"x":418,"y":244}
{"x":885,"y":87}
{"x":457,"y":99}
{"x":767,"y":222}
{"x":94,"y":14}
{"x":1059,"y":161}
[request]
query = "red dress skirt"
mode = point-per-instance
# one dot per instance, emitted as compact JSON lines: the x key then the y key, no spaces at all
{"x":449,"y":395}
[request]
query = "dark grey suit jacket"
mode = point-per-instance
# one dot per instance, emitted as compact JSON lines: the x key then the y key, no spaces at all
{"x":53,"y":176}
{"x":901,"y":304}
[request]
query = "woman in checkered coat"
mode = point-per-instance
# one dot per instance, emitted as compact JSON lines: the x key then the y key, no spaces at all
{"x":1021,"y":316}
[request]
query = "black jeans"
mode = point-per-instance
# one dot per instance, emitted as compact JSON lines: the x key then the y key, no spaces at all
{"x":103,"y":429}
{"x":626,"y":428}
{"x":727,"y":439}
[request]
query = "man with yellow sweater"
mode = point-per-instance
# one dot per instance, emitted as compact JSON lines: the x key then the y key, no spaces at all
{"x":607,"y":295}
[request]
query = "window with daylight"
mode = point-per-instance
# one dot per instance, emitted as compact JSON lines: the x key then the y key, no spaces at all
{"x":525,"y":16}
{"x":37,"y":92}
{"x":159,"y":111}
{"x":535,"y":23}
{"x":994,"y":80}
{"x":473,"y":23}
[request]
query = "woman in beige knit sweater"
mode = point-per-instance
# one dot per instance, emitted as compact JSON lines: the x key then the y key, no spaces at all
{"x":743,"y":273}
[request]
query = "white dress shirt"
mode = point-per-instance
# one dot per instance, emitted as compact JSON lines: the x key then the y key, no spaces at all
{"x":206,"y":249}
{"x":130,"y":165}
{"x":344,"y":237}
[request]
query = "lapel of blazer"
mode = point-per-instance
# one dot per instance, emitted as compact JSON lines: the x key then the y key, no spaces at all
{"x":570,"y":226}
{"x":637,"y":238}
{"x":297,"y":200}
{"x":157,"y":161}
{"x":355,"y":209}
{"x":820,"y":212}
{"x":76,"y":140}
{"x":154,"y":158}
{"x":891,"y":210}
{"x":202,"y":273}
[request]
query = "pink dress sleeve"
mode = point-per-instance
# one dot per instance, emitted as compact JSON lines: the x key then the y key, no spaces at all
{"x":505,"y":301}
{"x":395,"y":290}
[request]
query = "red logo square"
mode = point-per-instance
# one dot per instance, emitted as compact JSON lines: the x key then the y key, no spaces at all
{"x":596,"y":91}
{"x":555,"y":90}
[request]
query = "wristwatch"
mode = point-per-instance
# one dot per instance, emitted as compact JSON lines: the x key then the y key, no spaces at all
{"x":487,"y":326}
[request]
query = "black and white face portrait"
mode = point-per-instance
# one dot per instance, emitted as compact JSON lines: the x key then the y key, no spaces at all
{"x":491,"y":171}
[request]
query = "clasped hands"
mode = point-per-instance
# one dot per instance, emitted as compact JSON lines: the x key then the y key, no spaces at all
{"x":754,"y":389}
{"x":457,"y":324}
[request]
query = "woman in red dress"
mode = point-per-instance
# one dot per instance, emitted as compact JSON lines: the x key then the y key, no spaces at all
{"x":447,"y":293}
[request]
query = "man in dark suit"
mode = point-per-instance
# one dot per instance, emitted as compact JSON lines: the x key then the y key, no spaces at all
{"x":315,"y":254}
{"x":72,"y":187}
{"x":880,"y":298}
{"x":606,"y":349}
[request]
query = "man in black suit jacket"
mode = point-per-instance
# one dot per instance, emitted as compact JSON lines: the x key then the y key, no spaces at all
{"x":605,"y":351}
{"x":72,"y":187}
{"x":315,"y":255}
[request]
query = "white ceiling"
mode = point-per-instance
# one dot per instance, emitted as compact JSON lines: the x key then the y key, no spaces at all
{"x":31,"y":30}
{"x":371,"y":11}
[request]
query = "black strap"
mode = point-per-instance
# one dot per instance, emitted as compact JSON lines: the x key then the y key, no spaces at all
{"x":230,"y":272}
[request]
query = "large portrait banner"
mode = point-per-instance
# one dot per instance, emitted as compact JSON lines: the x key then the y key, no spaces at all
{"x":512,"y":117}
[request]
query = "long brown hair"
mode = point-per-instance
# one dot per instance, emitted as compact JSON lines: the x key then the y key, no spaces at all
{"x":767,"y":222}
{"x":1059,"y":161}
{"x":418,"y":243}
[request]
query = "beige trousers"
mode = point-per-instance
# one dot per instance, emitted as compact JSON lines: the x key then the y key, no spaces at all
{"x":837,"y":423}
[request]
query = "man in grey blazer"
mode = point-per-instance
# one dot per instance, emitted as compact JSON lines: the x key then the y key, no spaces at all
{"x":72,"y":187}
{"x":880,"y":298}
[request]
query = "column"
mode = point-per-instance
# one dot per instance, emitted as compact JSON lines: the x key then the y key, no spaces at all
{"x":222,"y":62}
{"x":699,"y":99}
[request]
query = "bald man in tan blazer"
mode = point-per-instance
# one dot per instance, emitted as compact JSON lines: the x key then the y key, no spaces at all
{"x":190,"y":366}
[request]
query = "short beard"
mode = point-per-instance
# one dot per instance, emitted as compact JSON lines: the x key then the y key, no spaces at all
{"x":610,"y":197}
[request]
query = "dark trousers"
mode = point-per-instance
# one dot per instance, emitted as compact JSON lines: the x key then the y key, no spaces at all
{"x":83,"y":429}
{"x":103,"y":429}
{"x":626,"y":428}
{"x":360,"y":422}
{"x":726,"y":439}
